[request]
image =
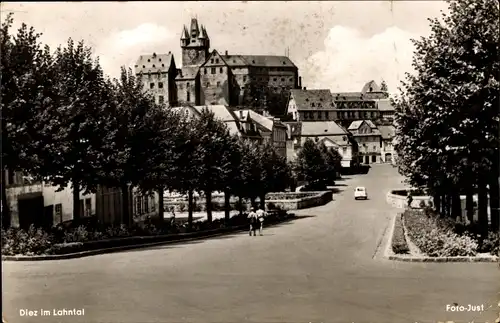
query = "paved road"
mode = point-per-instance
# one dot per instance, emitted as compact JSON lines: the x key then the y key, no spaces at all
{"x":324,"y":268}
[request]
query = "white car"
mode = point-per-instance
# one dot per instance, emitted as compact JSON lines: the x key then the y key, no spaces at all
{"x":360,"y":193}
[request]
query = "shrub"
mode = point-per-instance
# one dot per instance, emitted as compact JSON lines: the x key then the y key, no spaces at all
{"x":117,"y":232}
{"x":20,"y":242}
{"x":436,"y":238}
{"x":491,"y":244}
{"x":399,"y":244}
{"x":80,"y":234}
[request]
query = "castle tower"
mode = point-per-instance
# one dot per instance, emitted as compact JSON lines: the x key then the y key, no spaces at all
{"x":195,"y":44}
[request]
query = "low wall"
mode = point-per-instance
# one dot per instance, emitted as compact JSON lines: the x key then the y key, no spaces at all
{"x":313,"y":199}
{"x":401,"y":202}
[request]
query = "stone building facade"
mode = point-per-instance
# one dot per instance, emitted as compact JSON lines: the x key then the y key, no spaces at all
{"x":207,"y":77}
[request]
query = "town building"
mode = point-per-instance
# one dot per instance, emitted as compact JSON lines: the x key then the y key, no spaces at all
{"x":369,"y":140}
{"x":331,"y":133}
{"x":387,"y":133}
{"x":207,"y":77}
{"x":41,"y":204}
{"x":311,"y":105}
{"x":271,"y":129}
{"x":109,"y":205}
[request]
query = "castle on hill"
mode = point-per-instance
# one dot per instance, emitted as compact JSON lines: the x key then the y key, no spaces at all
{"x":207,"y":77}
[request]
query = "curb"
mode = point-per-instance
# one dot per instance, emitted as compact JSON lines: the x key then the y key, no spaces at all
{"x":389,"y":254}
{"x":88,"y":253}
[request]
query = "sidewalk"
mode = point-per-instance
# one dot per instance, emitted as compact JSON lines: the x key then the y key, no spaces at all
{"x":198,"y":216}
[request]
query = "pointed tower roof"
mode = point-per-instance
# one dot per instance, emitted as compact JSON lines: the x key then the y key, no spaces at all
{"x":185,"y":34}
{"x":203,"y":34}
{"x":194,"y":26}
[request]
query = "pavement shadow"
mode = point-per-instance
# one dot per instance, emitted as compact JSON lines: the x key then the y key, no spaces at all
{"x":340,"y":185}
{"x":180,"y":244}
{"x":335,"y":190}
{"x":343,"y":178}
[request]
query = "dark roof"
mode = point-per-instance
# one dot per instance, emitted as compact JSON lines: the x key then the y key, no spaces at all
{"x":258,"y":60}
{"x":153,"y":63}
{"x":188,"y":73}
{"x":350,"y":96}
{"x":312,"y":99}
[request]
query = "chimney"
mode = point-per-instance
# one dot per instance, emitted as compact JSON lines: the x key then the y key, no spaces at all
{"x":226,"y":53}
{"x":300,"y":82}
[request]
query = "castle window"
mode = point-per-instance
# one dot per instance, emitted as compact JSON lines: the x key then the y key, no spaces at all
{"x":222,"y":70}
{"x":212,"y":61}
{"x":213,"y":70}
{"x":149,"y":60}
{"x":159,"y":59}
{"x":188,"y":96}
{"x":161,"y":99}
{"x":154,"y":65}
{"x":162,"y":65}
{"x":160,"y":85}
{"x":205,"y":71}
{"x":208,"y":84}
{"x":274,"y":79}
{"x":282,"y":79}
{"x":143,"y":66}
{"x":312,"y":104}
{"x":151,"y":85}
{"x":187,"y":84}
{"x":216,"y":61}
{"x":193,"y":40}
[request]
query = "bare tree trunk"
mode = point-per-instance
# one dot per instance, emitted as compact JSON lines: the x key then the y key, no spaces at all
{"x":437,"y":202}
{"x":456,"y":208}
{"x":76,"y":198}
{"x":495,"y":204}
{"x":263,"y":201}
{"x":469,"y":204}
{"x":125,"y":204}
{"x":482,"y":207}
{"x":240,"y":202}
{"x":190,"y":210}
{"x":208,"y":199}
{"x":161,"y":204}
{"x":6,"y":221}
{"x":227,"y":205}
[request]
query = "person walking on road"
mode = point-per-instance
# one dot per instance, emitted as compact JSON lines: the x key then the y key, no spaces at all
{"x":252,"y":217}
{"x":261,"y":214}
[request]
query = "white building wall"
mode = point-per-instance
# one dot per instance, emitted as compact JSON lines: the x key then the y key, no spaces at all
{"x":65,"y":199}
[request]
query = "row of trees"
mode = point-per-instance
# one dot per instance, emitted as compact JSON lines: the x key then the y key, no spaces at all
{"x":65,"y":122}
{"x":447,"y":111}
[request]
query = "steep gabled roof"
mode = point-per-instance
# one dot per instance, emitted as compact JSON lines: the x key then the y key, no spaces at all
{"x":258,"y":60}
{"x":215,"y":54}
{"x":371,"y":86}
{"x":312,"y":99}
{"x":154,"y":63}
{"x":356,"y":124}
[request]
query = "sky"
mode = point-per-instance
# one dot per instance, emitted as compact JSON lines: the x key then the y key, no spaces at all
{"x":337,"y":45}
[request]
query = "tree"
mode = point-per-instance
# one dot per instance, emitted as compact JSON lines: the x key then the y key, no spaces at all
{"x":213,"y":141}
{"x":447,"y":116}
{"x":27,"y":90}
{"x":130,"y":137}
{"x":250,"y":171}
{"x":231,"y":159}
{"x":311,"y":165}
{"x":78,"y":112}
{"x":160,"y":167}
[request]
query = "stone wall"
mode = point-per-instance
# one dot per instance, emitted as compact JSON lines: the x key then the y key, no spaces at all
{"x":401,"y":202}
{"x":314,"y":199}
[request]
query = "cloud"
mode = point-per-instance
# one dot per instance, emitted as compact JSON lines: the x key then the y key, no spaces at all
{"x":123,"y":48}
{"x":349,"y":60}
